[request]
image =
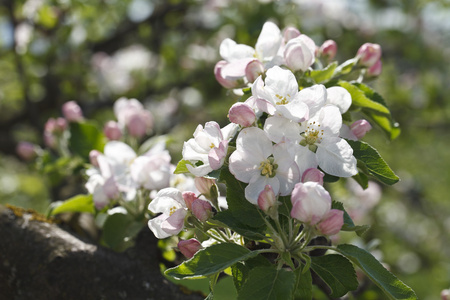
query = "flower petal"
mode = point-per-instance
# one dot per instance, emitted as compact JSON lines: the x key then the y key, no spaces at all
{"x":336,"y":158}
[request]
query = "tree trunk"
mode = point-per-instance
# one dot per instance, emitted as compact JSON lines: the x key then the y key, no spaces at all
{"x":39,"y":260}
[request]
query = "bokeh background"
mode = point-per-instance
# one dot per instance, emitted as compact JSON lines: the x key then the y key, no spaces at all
{"x":163,"y":53}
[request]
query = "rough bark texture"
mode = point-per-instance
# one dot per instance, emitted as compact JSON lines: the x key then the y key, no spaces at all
{"x":39,"y":260}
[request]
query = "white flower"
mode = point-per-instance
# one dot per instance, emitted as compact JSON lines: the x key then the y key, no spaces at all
{"x":169,"y":202}
{"x":153,"y":169}
{"x":318,"y":142}
{"x":279,"y":95}
{"x":238,"y":56}
{"x":209,"y":146}
{"x":299,"y":53}
{"x":259,"y":163}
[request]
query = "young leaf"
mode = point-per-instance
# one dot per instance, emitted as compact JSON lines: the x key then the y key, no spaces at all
{"x":360,"y":99}
{"x":181,"y":167}
{"x":211,"y":260}
{"x":348,"y":222}
{"x":303,"y":284}
{"x":84,"y":137}
{"x":346,"y":67}
{"x":374,"y":162}
{"x":268,"y":283}
{"x":337,"y":272}
{"x":320,"y":76}
{"x":388,"y":283}
{"x":78,"y":203}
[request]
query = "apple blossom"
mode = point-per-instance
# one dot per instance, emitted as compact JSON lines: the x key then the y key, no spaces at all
{"x":201,"y":209}
{"x":259,"y":163}
{"x":207,"y":187}
{"x":310,"y":202}
{"x":279,"y":95}
{"x":152,"y":169}
{"x":242,"y":114}
{"x":332,"y":222}
{"x":72,"y":111}
{"x":290,"y":33}
{"x":169,"y":202}
{"x":360,"y":127}
{"x":299,"y":53}
{"x":189,"y":198}
{"x":368,"y":54}
{"x":131,"y":115}
{"x":189,"y":247}
{"x":93,"y":157}
{"x":313,"y":174}
{"x":328,"y":49}
{"x":209,"y":147}
{"x":112,"y":131}
{"x":375,"y":69}
{"x":26,"y":150}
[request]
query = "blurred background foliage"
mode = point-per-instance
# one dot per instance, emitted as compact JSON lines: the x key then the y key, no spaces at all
{"x":163,"y":53}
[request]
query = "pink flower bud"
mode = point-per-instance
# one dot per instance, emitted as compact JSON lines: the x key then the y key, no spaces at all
{"x":299,"y":53}
{"x":139,"y":123}
{"x":310,"y":202}
{"x":253,"y":70}
{"x":445,"y":295}
{"x":290,"y":33}
{"x":360,"y":128}
{"x":93,"y":156}
{"x":375,"y":70}
{"x":61,"y":125}
{"x":72,"y":111}
{"x":314,"y":175}
{"x":112,"y":131}
{"x":267,"y":199}
{"x":189,"y":247}
{"x":204,"y":185}
{"x":201,"y":209}
{"x":189,"y":198}
{"x":226,"y":83}
{"x":49,"y":140}
{"x":369,"y":54}
{"x":328,"y":49}
{"x":242,"y":114}
{"x":332,"y":222}
{"x":26,"y":150}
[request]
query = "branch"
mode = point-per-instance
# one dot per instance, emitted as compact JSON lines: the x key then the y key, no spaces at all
{"x":39,"y":260}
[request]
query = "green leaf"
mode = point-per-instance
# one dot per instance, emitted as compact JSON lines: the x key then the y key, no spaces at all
{"x":78,"y":203}
{"x":348,"y":222}
{"x":303,"y":284}
{"x":181,"y":167}
{"x":320,"y":76}
{"x":238,"y":206}
{"x":240,"y":274}
{"x":384,"y":122}
{"x":337,"y":272}
{"x":228,"y":218}
{"x":388,"y":283}
{"x":84,"y":137}
{"x":362,"y":179}
{"x":119,"y":230}
{"x":374,"y":163}
{"x":360,"y":99}
{"x":268,"y":283}
{"x":211,"y":260}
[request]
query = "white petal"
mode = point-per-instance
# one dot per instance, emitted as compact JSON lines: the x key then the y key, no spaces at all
{"x":229,"y":131}
{"x":268,"y":42}
{"x":256,"y":186}
{"x":165,"y":199}
{"x":200,"y":171}
{"x":175,"y":223}
{"x":330,"y":119}
{"x":296,"y":111}
{"x":277,"y":128}
{"x":231,"y":51}
{"x":119,"y":152}
{"x":340,"y":97}
{"x":281,"y":82}
{"x":336,"y":158}
{"x":305,"y":158}
{"x":155,"y":226}
{"x":243,"y":166}
{"x":315,"y":97}
{"x":254,"y":141}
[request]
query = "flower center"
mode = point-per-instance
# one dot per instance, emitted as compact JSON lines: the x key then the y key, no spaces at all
{"x":212,"y":145}
{"x":312,"y":135}
{"x":283,"y":100}
{"x":268,"y":167}
{"x":172,"y":210}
